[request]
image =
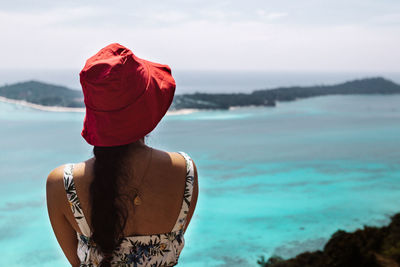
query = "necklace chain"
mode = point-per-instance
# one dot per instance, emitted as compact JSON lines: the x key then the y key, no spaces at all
{"x":138,"y":200}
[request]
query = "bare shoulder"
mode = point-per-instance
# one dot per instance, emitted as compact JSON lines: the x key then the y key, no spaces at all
{"x":55,"y":192}
{"x":177,"y":159}
{"x":55,"y":178}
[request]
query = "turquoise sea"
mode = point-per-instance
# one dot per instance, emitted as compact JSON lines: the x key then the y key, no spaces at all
{"x":272,"y":180}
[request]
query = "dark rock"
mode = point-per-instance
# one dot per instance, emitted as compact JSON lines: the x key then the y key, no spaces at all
{"x":369,"y":247}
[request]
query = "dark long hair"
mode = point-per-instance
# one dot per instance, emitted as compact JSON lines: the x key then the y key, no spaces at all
{"x":108,"y":214}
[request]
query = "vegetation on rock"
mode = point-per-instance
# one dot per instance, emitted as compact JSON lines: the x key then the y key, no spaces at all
{"x":369,"y":247}
{"x":53,"y":95}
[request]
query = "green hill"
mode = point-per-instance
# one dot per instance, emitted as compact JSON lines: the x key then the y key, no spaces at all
{"x":53,"y":95}
{"x":268,"y":97}
{"x":43,"y":94}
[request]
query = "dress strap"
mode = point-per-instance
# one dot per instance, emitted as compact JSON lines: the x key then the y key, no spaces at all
{"x":187,"y":197}
{"x":73,"y":200}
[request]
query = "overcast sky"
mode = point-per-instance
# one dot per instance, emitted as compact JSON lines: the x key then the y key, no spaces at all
{"x":282,"y":35}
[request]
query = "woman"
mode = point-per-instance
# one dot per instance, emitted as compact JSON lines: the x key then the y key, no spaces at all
{"x":130,"y":204}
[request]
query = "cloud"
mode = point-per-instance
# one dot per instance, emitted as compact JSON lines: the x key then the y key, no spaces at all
{"x":46,"y":18}
{"x":223,"y":35}
{"x":271,"y":15}
{"x":388,"y":19}
{"x":276,"y":15}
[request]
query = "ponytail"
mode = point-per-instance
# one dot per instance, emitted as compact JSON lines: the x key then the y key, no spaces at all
{"x":108,"y":218}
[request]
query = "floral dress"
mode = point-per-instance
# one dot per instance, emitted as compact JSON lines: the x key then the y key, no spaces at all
{"x":150,"y":250}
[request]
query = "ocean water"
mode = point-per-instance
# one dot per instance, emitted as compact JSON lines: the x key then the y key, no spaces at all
{"x":272,"y":180}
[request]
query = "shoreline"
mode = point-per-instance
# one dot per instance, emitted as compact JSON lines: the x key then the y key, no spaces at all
{"x":40,"y":107}
{"x":69,"y":109}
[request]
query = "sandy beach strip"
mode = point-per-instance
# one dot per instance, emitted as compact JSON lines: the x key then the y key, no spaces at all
{"x":183,"y":111}
{"x":41,"y":107}
{"x":68,"y":109}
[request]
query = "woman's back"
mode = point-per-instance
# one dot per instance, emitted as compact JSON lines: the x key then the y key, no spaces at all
{"x":153,"y":234}
{"x":161,"y":191}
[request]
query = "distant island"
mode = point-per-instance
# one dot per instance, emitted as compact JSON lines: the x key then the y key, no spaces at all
{"x":43,"y":94}
{"x":49,"y":95}
{"x":269,"y":97}
{"x":369,"y":247}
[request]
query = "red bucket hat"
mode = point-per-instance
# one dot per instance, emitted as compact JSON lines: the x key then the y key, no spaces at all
{"x":125,"y":96}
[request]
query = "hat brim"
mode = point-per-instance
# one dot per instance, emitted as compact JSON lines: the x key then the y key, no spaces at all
{"x":137,"y":119}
